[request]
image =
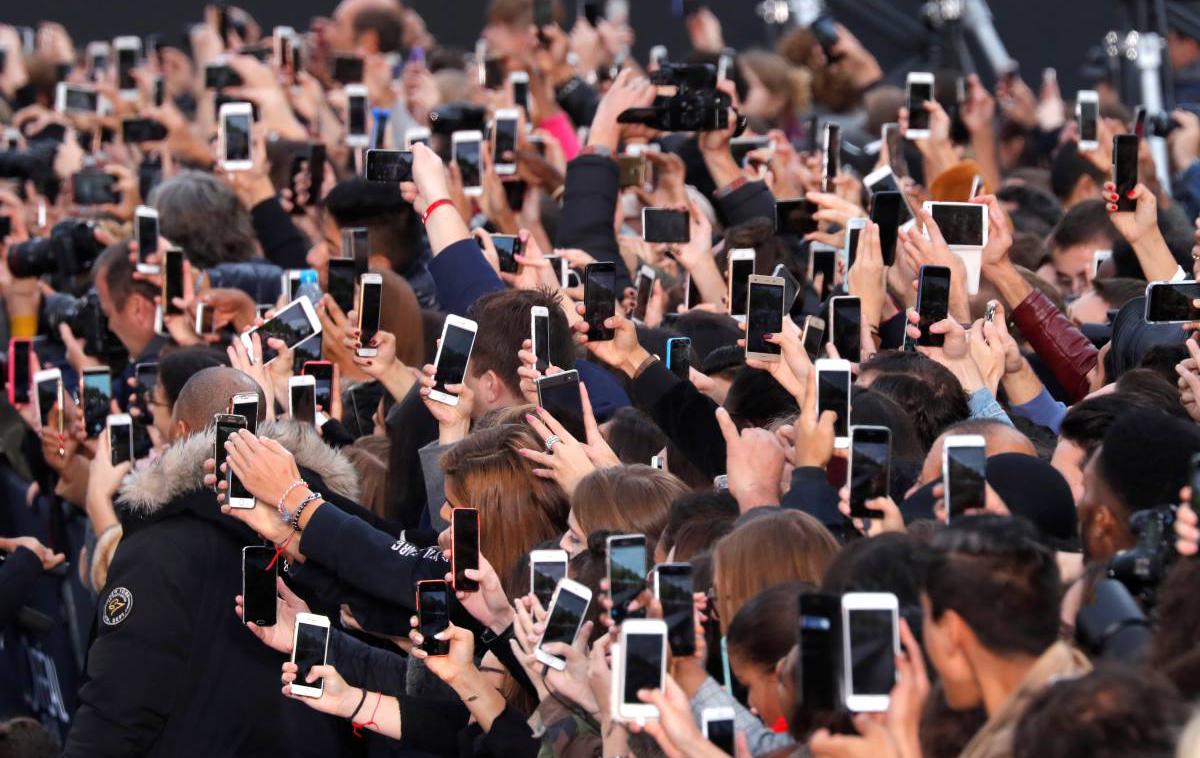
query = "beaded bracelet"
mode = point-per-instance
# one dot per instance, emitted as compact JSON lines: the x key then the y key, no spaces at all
{"x":295,"y":521}
{"x":283,"y":499}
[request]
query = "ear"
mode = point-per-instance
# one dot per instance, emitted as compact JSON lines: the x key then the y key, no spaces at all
{"x":959,"y":635}
{"x":1104,"y":531}
{"x":181,"y":429}
{"x":492,"y":386}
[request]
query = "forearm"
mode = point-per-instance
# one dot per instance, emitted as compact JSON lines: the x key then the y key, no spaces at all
{"x":983,"y":145}
{"x":722,"y":167}
{"x":482,"y":699}
{"x":1008,"y":282}
{"x":1023,"y":385}
{"x":614,"y":736}
{"x":708,"y":280}
{"x":380,"y":713}
{"x":444,"y":227}
{"x":397,"y":380}
{"x":1155,"y":258}
{"x":100,"y":511}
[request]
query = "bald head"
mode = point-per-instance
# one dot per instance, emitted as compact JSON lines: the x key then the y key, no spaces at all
{"x":998,"y":436}
{"x":208,"y":393}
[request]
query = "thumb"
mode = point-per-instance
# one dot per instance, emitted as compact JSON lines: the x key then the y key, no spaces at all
{"x":728,"y":428}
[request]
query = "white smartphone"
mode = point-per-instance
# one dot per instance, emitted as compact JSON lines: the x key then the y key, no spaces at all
{"x":645,"y":286}
{"x":520,"y":89}
{"x":870,"y":644}
{"x":245,"y":404}
{"x":358,"y":134}
{"x":370,"y":307}
{"x":416,"y":134}
{"x":854,"y":228}
{"x":203,"y":324}
{"x":568,"y":607}
{"x":964,"y":473}
{"x":717,"y":725}
{"x":919,"y":90}
{"x":504,"y":141}
{"x":741,"y":266}
{"x":642,"y":665}
{"x":282,"y":38}
{"x":539,"y":335}
{"x":881,"y":180}
{"x":98,"y":54}
{"x":235,"y":123}
{"x":310,"y":645}
{"x":75,"y":98}
{"x":764,"y":316}
{"x":466,"y":151}
{"x":289,"y":282}
{"x":120,"y":437}
{"x":294,"y":324}
{"x":546,"y":569}
{"x":963,"y":225}
{"x":48,"y":392}
{"x":302,"y":398}
{"x":833,"y":394}
{"x":453,"y":354}
{"x":1098,"y":259}
{"x":145,"y":229}
{"x":1087,"y":114}
{"x":129,"y":54}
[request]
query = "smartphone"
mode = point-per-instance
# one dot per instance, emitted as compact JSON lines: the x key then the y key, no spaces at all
{"x":1171,"y":302}
{"x":765,"y":317}
{"x":919,"y":90}
{"x":673,"y":588}
{"x":870,"y":644}
{"x":172,"y":281}
{"x":204,"y":320}
{"x":976,"y":187}
{"x":795,"y":217}
{"x":717,"y":725}
{"x":294,"y":324}
{"x":135,"y":131}
{"x":679,"y":357}
{"x":520,"y":89}
{"x":963,"y":225}
{"x":833,"y":394}
{"x":97,"y":399}
{"x":322,"y":374}
{"x":964,"y":473}
{"x":508,"y":247}
{"x":129,"y":52}
{"x":665,"y":225}
{"x":559,"y":394}
{"x":1125,"y":170}
{"x":546,"y":569}
{"x":316,"y":172}
{"x":567,"y":609}
{"x":869,"y":469}
{"x":302,"y":398}
{"x":819,"y":672}
{"x":885,"y":211}
{"x":235,"y":122}
{"x":347,"y":69}
{"x":466,"y":152}
{"x":644,"y":286}
{"x":631,"y":171}
{"x":933,"y":302}
{"x":146,"y":232}
{"x":1087,"y":114}
{"x":356,"y":247}
{"x":416,"y":134}
{"x":98,"y":54}
{"x":599,"y":299}
{"x":741,"y":147}
{"x":370,"y":304}
{"x":831,"y":152}
{"x":539,"y":335}
{"x":310,"y":645}
{"x":854,"y":228}
{"x":75,"y":98}
{"x":791,"y":286}
{"x":464,"y":553}
{"x":120,"y":437}
{"x":388,"y":166}
{"x":642,"y":665}
{"x":20,"y":370}
{"x":504,"y":141}
{"x":245,"y":404}
{"x":626,"y":572}
{"x":93,"y":187}
{"x":881,"y":179}
{"x":433,"y":614}
{"x":814,"y":336}
{"x":226,"y":424}
{"x":741,"y":267}
{"x":357,"y":133}
{"x":218,"y":75}
{"x":822,"y":259}
{"x":340,"y":279}
{"x":845,"y":318}
{"x":259,"y":569}
{"x":453,"y":354}
{"x":281,"y":43}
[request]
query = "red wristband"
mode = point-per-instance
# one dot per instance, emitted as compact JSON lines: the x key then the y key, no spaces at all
{"x":433,"y":207}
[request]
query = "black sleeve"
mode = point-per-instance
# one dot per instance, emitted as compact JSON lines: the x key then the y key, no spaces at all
{"x":335,"y":434}
{"x":586,"y":221}
{"x":365,"y":666}
{"x":431,"y":725}
{"x":812,"y":493}
{"x":410,"y":427}
{"x":17,"y":576}
{"x":509,"y":737}
{"x":685,"y":414}
{"x":282,"y":243}
{"x":498,"y":645}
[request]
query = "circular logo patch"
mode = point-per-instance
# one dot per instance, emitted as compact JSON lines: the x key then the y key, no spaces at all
{"x":117,"y":606}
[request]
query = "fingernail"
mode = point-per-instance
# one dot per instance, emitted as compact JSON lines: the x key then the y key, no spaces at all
{"x":1130,"y":194}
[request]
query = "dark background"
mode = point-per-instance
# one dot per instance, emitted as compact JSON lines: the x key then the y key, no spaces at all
{"x":1038,"y":33}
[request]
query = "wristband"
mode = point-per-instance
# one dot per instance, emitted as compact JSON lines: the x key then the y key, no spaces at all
{"x":288,"y":491}
{"x":433,"y":207}
{"x":645,"y":364}
{"x":295,"y":520}
{"x":361,"y":700}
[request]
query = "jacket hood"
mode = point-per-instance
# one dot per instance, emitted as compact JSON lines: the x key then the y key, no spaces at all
{"x":180,"y":469}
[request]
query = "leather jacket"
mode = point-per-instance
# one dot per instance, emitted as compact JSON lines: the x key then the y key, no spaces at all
{"x":1067,"y":352}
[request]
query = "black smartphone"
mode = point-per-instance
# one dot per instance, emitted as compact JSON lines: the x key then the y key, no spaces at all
{"x":559,"y":394}
{"x":370,"y":311}
{"x":919,"y":92}
{"x":226,"y":425}
{"x":259,"y":569}
{"x":389,"y":166}
{"x":19,"y":374}
{"x":356,"y":247}
{"x":824,"y":261}
{"x":833,"y":394}
{"x":626,"y":573}
{"x":870,"y":468}
{"x":316,"y":171}
{"x":120,"y":440}
{"x":433,"y":614}
{"x":831,"y":162}
{"x":819,"y":672}
{"x":933,"y":302}
{"x":885,"y":211}
{"x":322,"y":373}
{"x":679,"y":356}
{"x":765,"y":316}
{"x":220,"y":76}
{"x":340,"y":279}
{"x":673,"y":587}
{"x":303,"y":401}
{"x":146,"y":378}
{"x":137,"y":130}
{"x":347,"y":68}
{"x":665,"y":225}
{"x":599,"y":299}
{"x":508,"y":247}
{"x":845,"y":315}
{"x":795,"y":217}
{"x":97,"y":399}
{"x":464,"y":553}
{"x":92,"y":187}
{"x":172,"y":283}
{"x":964,"y":473}
{"x":814,"y":336}
{"x":1125,"y":169}
{"x":1171,"y":302}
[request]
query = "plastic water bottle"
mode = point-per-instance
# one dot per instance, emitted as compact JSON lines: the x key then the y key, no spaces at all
{"x":309,"y":286}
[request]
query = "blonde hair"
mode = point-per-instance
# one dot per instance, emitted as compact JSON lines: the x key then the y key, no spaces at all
{"x":634,"y":499}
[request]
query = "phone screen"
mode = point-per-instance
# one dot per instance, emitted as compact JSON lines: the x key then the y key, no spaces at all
{"x":237,"y":136}
{"x":852,"y":233}
{"x":97,"y":400}
{"x":847,"y":327}
{"x":872,"y":652}
{"x":1171,"y":302}
{"x":740,"y":270}
{"x":870,"y":468}
{"x":340,"y":280}
{"x":89,"y":187}
{"x":1089,"y":117}
{"x":814,"y":333}
{"x":322,"y":374}
{"x":290,"y":325}
{"x":258,"y":585}
{"x":833,"y":394}
{"x":666,"y":225}
{"x":765,"y":317}
{"x":541,"y":341}
{"x":918,"y":94}
{"x":885,"y":211}
{"x":818,"y":673}
{"x":48,"y":391}
{"x":79,"y":99}
{"x":172,"y":281}
{"x":960,"y":224}
{"x":316,"y":171}
{"x":126,"y":62}
{"x":226,"y":426}
{"x":121,"y":441}
{"x":506,"y":141}
{"x":452,"y":360}
{"x":372,"y":295}
{"x":967,"y":470}
{"x":433,"y":611}
{"x":465,"y":548}
{"x":19,"y":355}
{"x":147,"y":236}
{"x":565,"y":618}
{"x":933,"y":302}
{"x":357,"y":111}
{"x":626,"y":573}
{"x":311,"y":643}
{"x":679,"y":356}
{"x":824,"y":262}
{"x":831,"y":155}
{"x":559,"y":394}
{"x":600,"y":299}
{"x":391,"y":166}
{"x":720,"y":732}
{"x":355,"y":246}
{"x":546,"y":575}
{"x":1125,"y":169}
{"x":675,"y":595}
{"x":643,"y":664}
{"x":795,"y":217}
{"x":467,"y":156}
{"x":249,"y":411}
{"x":508,"y":246}
{"x":304,"y":403}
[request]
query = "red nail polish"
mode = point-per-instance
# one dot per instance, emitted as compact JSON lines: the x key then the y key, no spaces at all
{"x":1130,"y":194}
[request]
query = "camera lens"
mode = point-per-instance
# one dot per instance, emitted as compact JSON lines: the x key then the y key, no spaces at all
{"x":31,"y":258}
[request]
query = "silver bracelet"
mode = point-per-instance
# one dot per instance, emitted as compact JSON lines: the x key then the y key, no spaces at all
{"x":295,"y":520}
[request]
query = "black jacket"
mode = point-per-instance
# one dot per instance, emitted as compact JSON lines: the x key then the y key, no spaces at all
{"x":589,"y":202}
{"x":172,"y":670}
{"x":685,"y":414}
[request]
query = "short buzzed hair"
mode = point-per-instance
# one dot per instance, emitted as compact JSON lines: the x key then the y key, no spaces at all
{"x":209,"y":392}
{"x":114,"y":266}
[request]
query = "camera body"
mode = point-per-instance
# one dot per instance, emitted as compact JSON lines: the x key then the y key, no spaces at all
{"x":70,"y":249}
{"x":1162,"y":124}
{"x":696,"y":106}
{"x":87,"y":322}
{"x":1141,"y":567}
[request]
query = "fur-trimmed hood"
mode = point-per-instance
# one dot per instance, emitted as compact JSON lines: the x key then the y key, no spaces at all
{"x":180,"y":469}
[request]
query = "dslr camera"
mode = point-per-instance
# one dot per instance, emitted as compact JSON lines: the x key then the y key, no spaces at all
{"x":1142,"y":567}
{"x":70,"y":249}
{"x":696,"y":106}
{"x":1162,"y":124}
{"x":87,"y":322}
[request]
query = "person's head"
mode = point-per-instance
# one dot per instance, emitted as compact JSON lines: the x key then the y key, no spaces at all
{"x":1092,"y":306}
{"x":400,"y":315}
{"x":602,"y":501}
{"x":517,"y":509}
{"x":1083,"y":230}
{"x":1183,"y":48}
{"x":931,"y":396}
{"x":127,"y":303}
{"x":889,"y":562}
{"x":393,"y":227}
{"x":775,"y":90}
{"x":694,"y":523}
{"x":1114,"y":711}
{"x":758,"y":640}
{"x":25,"y":737}
{"x":202,"y":215}
{"x":1073,"y":177}
{"x":1149,"y":387}
{"x":991,"y":598}
{"x":770,"y":546}
{"x":1144,"y":460}
{"x":1031,"y":209}
{"x":367,"y":26}
{"x":998,"y":436}
{"x":175,"y":368}
{"x":756,"y":399}
{"x":633,"y":435}
{"x":1176,"y":633}
{"x":503,"y":319}
{"x":206,"y":394}
{"x":508,"y":27}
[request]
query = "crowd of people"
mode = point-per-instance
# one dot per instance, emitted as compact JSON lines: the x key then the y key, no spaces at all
{"x":408,"y":526}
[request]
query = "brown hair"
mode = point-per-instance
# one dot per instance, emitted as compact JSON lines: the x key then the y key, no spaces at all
{"x":781,"y":78}
{"x":772,"y":547}
{"x":400,"y":314}
{"x":369,"y":455}
{"x":634,"y":499}
{"x":517,"y":510}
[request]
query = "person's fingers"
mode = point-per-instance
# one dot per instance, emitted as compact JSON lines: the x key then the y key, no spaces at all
{"x":729,"y":429}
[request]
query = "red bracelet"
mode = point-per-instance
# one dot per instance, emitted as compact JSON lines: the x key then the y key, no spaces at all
{"x":433,"y":207}
{"x":358,"y":727}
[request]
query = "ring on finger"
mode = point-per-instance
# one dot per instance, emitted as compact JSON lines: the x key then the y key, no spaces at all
{"x":551,"y":441}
